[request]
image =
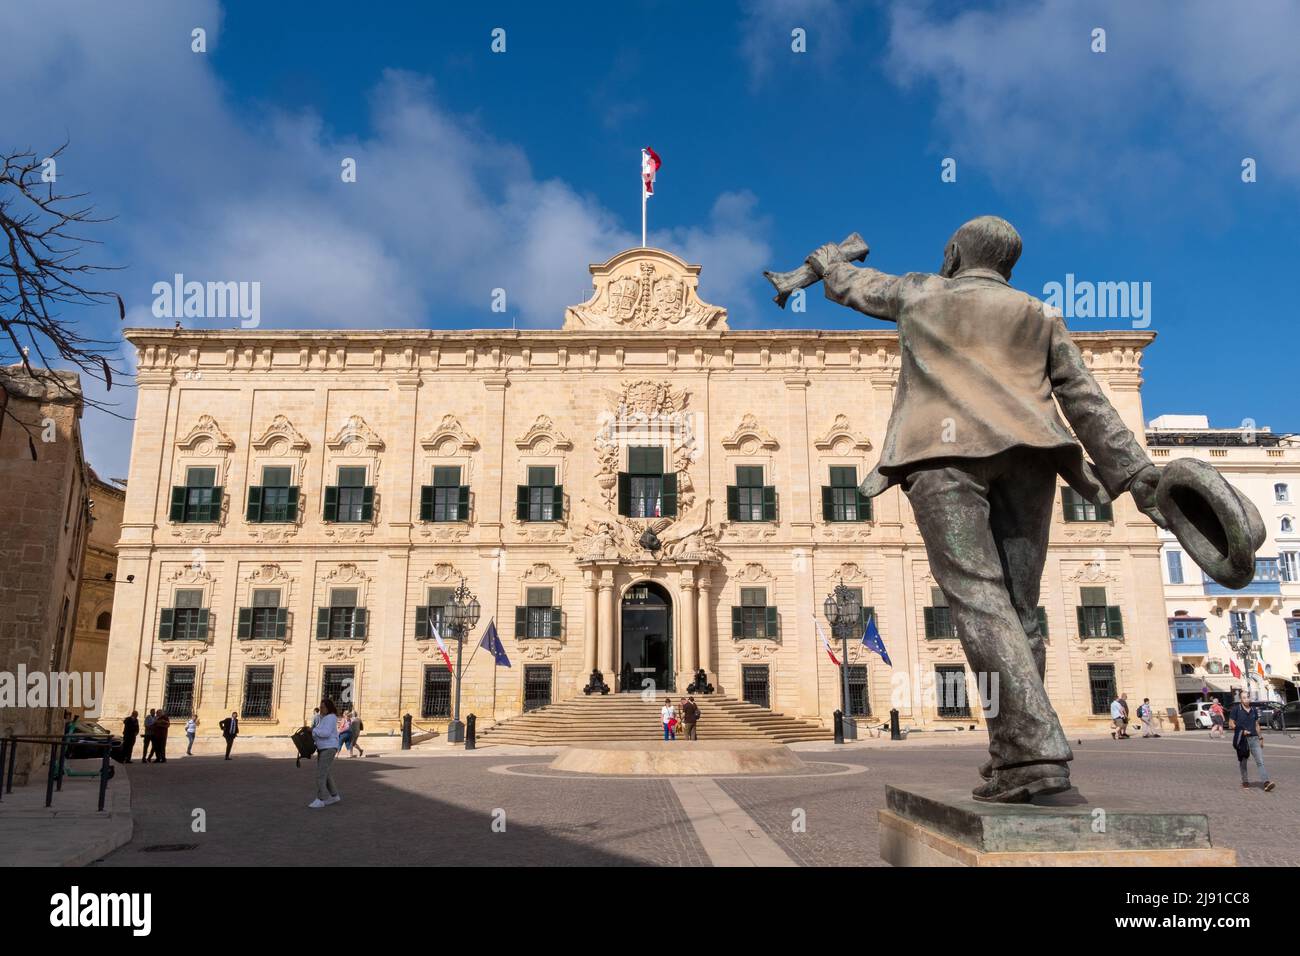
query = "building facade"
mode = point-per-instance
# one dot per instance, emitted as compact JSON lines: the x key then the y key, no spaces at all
{"x":46,"y":516}
{"x":94,"y":614}
{"x":643,"y":492}
{"x":1265,"y":467}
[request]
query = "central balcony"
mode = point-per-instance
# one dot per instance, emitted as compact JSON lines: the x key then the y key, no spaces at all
{"x":1268,"y":580}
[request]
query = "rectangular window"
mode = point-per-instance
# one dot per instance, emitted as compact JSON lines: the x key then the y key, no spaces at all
{"x":190,"y":617}
{"x":1079,"y":508}
{"x":178,"y":692}
{"x":749,"y":499}
{"x":276,"y":499}
{"x":755,"y":684}
{"x":1096,"y":617}
{"x":199,"y":499}
{"x":538,"y":617}
{"x":950,"y":690}
{"x":1101,"y":686}
{"x":342,"y":619}
{"x":352,"y":494}
{"x":859,"y":701}
{"x":938,"y":617}
{"x":258,"y":685}
{"x":1175,"y":559}
{"x":841,"y":500}
{"x":645,"y":490}
{"x":436,"y":699}
{"x":339,"y":685}
{"x":753,"y":618}
{"x":537,"y":687}
{"x":541,"y":499}
{"x":1289,"y":565}
{"x":266,"y":607}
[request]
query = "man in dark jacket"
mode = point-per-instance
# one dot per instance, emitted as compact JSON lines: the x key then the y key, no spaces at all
{"x":690,"y":717}
{"x":160,"y":725}
{"x":130,"y":730}
{"x":147,"y":746}
{"x":230,"y":730}
{"x":975,"y":441}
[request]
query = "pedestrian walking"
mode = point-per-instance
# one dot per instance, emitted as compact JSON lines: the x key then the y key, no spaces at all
{"x":1128,"y":716}
{"x":191,"y":728}
{"x":345,"y":729}
{"x":326,"y":737}
{"x":1217,"y":718}
{"x":130,"y":730}
{"x":1118,"y":718}
{"x":354,"y":735}
{"x":669,"y":716}
{"x":315,"y":717}
{"x":230,"y":730}
{"x":1245,"y":740}
{"x":690,"y":717}
{"x":160,"y":725}
{"x":1145,"y":715}
{"x":149,"y":719}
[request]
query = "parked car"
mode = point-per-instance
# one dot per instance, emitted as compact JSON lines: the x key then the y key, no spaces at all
{"x":86,"y":739}
{"x":1287,"y":716}
{"x":1197,"y":716}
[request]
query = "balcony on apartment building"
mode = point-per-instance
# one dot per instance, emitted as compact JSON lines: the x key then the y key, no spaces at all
{"x":1268,"y":580}
{"x":1188,"y":637}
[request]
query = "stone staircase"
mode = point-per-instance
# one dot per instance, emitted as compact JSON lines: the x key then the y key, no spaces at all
{"x":629,"y":717}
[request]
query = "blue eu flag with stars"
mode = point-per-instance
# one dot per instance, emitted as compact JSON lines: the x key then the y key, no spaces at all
{"x":492,"y":644}
{"x":872,"y":642}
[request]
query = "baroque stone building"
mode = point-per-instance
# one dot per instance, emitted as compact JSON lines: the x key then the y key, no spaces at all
{"x":644,"y":492}
{"x":99,"y":581}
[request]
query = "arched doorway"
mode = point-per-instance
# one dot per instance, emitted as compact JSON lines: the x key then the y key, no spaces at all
{"x":646,"y":633}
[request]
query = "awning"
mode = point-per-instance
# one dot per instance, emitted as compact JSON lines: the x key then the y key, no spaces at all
{"x":1217,"y":683}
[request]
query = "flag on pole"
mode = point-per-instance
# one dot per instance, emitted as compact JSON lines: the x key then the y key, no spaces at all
{"x":872,"y":641}
{"x":821,"y":632}
{"x":1232,"y":665}
{"x":492,"y":644}
{"x":650,"y":164}
{"x":442,"y":648}
{"x":1259,"y":668}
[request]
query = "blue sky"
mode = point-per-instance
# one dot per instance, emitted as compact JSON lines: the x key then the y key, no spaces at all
{"x":514,"y":170}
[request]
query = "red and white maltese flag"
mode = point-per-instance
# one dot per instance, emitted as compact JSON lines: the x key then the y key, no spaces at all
{"x":650,"y":164}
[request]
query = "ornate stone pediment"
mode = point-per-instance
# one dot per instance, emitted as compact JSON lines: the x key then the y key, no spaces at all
{"x":749,"y":436}
{"x":543,"y":438}
{"x":841,"y":439}
{"x":356,"y":434}
{"x":645,"y":288}
{"x":281,"y":438}
{"x":206,"y":437}
{"x":449,"y":437}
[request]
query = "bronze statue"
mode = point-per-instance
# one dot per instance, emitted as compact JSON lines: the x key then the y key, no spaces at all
{"x":976,"y":443}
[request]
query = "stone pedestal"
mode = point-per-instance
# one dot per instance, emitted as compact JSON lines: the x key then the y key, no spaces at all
{"x":936,"y":826}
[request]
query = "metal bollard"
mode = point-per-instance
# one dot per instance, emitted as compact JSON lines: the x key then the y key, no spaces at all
{"x":469,"y":732}
{"x":105,"y":769}
{"x":13,"y":756}
{"x":49,"y":778}
{"x":839,"y":726}
{"x":406,"y":731}
{"x":893,"y":725}
{"x":4,"y":752}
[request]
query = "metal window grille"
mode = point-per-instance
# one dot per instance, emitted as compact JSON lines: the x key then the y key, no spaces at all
{"x":756,"y":685}
{"x":178,"y":692}
{"x":1101,"y":684}
{"x":859,"y":701}
{"x":950,"y":691}
{"x":537,"y":687}
{"x":258,"y":685}
{"x":338,"y":685}
{"x":436,"y":700}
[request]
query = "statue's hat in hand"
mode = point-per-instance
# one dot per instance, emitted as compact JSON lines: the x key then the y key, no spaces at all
{"x":1214,"y":522}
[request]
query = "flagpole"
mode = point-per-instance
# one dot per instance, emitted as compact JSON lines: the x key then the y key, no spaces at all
{"x":643,"y":197}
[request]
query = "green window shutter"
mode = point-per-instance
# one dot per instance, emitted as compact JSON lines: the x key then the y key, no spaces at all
{"x":557,"y":502}
{"x":359,"y":623}
{"x":293,"y":503}
{"x":668,"y":507}
{"x":929,"y":622}
{"x":245,"y":622}
{"x":828,"y":503}
{"x":1105,"y":512}
{"x":1042,"y":621}
{"x":772,"y":623}
{"x":866,"y":614}
{"x":521,"y":502}
{"x":178,"y":503}
{"x":462,"y":506}
{"x":214,"y":509}
{"x":331,"y":503}
{"x":165,"y":624}
{"x":557,"y":621}
{"x":864,"y":507}
{"x":1066,"y":513}
{"x":624,"y":494}
{"x":737,"y":621}
{"x":254,"y":512}
{"x":1083,"y":622}
{"x":281,"y":622}
{"x":521,"y":622}
{"x":368,"y":503}
{"x":1114,"y":621}
{"x":769,"y":502}
{"x":322,"y":623}
{"x":426,"y":502}
{"x":733,"y":503}
{"x":203,"y":623}
{"x":421,"y":623}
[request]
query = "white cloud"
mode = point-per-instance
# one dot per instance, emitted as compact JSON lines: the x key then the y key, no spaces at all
{"x":765,"y":34}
